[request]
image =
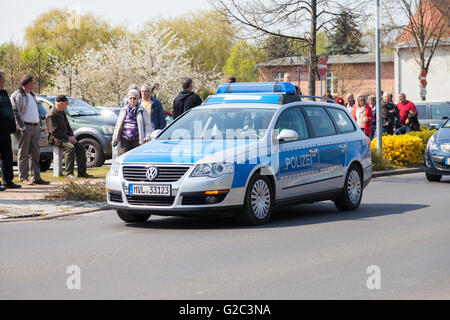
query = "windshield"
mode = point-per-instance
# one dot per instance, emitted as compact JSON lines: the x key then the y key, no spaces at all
{"x":446,"y":124}
{"x":80,"y":108}
{"x":220,"y":124}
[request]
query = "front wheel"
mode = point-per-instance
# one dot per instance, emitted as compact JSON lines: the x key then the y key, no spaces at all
{"x":258,"y":203}
{"x":351,"y":195}
{"x":130,"y":216}
{"x":433,"y":177}
{"x":94,"y":153}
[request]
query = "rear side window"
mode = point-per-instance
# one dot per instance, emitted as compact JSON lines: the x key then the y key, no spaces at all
{"x":422,"y":110}
{"x":320,"y":121}
{"x":342,"y":120}
{"x":293,"y":119}
{"x":440,"y":111}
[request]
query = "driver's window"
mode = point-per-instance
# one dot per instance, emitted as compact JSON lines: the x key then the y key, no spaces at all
{"x":293,"y":119}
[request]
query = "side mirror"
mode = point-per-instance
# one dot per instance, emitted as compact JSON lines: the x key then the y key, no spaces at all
{"x":155,"y":133}
{"x":287,"y":135}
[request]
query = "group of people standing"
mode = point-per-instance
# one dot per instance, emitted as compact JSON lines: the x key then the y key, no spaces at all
{"x":397,"y":118}
{"x":141,"y":114}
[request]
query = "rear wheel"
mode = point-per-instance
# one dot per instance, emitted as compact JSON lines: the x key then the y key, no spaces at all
{"x":433,"y":177}
{"x":45,"y":165}
{"x":130,"y":216}
{"x":258,"y":203}
{"x":351,"y":195}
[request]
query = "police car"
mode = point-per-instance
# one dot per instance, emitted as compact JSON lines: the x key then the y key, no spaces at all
{"x":248,"y":149}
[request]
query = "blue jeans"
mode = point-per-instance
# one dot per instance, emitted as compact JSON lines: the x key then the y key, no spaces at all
{"x":403,"y":129}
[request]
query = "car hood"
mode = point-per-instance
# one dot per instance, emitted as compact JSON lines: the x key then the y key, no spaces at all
{"x":100,"y":119}
{"x":190,"y":151}
{"x":442,"y":136}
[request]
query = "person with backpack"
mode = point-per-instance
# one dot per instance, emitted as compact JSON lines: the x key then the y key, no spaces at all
{"x":186,"y":99}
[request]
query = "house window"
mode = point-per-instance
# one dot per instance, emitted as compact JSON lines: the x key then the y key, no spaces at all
{"x":332,"y":83}
{"x":278,"y":76}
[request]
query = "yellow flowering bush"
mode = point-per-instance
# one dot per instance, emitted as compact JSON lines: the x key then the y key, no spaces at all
{"x":425,"y":134}
{"x":400,"y":150}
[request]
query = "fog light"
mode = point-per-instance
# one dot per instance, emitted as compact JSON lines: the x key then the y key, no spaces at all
{"x":210,"y":199}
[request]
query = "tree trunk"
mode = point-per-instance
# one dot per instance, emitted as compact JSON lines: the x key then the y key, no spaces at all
{"x":312,"y":50}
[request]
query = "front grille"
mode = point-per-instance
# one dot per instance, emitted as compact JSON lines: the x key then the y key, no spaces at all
{"x":150,"y":200}
{"x":165,"y":173}
{"x":115,"y":197}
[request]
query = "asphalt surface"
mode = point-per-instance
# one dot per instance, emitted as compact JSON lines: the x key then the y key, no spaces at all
{"x":305,"y":252}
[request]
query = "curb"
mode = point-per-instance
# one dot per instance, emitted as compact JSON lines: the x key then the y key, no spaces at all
{"x":397,"y":172}
{"x":58,"y":215}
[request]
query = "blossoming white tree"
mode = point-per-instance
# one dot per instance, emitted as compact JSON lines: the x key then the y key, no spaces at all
{"x":155,"y":58}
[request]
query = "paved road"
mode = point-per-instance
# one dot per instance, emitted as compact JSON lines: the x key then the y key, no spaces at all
{"x":308,"y":251}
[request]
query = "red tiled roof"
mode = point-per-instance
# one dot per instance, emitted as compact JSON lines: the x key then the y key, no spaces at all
{"x":436,"y":16}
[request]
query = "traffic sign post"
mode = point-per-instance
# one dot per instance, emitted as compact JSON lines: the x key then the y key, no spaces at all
{"x":423,"y":84}
{"x":322,"y":68}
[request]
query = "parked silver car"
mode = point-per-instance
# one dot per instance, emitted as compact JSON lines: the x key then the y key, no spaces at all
{"x":46,"y":156}
{"x":433,"y":113}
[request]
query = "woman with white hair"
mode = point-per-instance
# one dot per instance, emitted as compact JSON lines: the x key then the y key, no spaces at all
{"x":133,"y":126}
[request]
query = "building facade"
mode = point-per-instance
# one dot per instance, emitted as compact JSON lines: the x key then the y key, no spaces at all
{"x":346,"y":74}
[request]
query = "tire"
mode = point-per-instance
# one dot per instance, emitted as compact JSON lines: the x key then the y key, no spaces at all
{"x":130,"y":216}
{"x":258,"y":203}
{"x":351,"y":195}
{"x":433,"y":177}
{"x":94,"y":153}
{"x":44,"y":165}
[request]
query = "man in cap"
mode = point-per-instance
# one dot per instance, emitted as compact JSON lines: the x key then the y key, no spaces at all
{"x":60,"y":134}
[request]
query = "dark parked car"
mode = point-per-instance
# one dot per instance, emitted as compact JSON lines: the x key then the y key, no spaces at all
{"x":91,"y":128}
{"x":437,"y":154}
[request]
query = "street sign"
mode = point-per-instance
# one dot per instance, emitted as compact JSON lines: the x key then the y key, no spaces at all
{"x":423,"y":92}
{"x":423,"y":78}
{"x":322,"y":66}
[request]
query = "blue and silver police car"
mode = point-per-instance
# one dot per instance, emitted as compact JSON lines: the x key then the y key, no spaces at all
{"x":248,"y":149}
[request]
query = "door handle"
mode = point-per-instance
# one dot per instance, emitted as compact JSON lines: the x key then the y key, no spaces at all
{"x":342,"y":146}
{"x":313,"y":151}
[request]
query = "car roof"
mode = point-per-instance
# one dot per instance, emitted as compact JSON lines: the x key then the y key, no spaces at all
{"x":249,"y":105}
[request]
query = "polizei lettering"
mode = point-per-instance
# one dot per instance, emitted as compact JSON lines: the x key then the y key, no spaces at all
{"x":300,"y":161}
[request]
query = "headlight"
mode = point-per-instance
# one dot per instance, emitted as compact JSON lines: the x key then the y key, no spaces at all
{"x":108,"y":129}
{"x":114,"y":169}
{"x":212,"y":170}
{"x":432,"y":145}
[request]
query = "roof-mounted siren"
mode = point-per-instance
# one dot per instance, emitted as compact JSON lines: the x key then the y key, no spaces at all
{"x":257,"y":87}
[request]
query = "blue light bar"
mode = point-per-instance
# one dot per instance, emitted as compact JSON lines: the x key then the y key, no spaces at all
{"x":257,"y":87}
{"x":271,"y":98}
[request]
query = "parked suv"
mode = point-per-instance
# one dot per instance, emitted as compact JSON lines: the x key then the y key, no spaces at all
{"x":433,"y":113}
{"x":91,"y":128}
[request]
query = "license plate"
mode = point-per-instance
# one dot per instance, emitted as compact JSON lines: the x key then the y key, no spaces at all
{"x":447,"y":161}
{"x":153,"y":190}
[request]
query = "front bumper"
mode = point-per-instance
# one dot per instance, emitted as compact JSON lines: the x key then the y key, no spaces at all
{"x":435,"y":162}
{"x":183,"y":192}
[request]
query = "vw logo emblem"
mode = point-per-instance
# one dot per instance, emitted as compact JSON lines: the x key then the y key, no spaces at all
{"x":151,"y":173}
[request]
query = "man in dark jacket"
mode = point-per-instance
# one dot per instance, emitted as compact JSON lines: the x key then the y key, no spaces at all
{"x":60,"y":134}
{"x":186,"y":99}
{"x":7,"y":126}
{"x":389,"y":114}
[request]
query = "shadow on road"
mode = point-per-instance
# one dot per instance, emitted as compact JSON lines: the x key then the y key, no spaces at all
{"x":287,"y":217}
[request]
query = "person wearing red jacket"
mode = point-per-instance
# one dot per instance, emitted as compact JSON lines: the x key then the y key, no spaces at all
{"x":406,"y":108}
{"x":363,"y":115}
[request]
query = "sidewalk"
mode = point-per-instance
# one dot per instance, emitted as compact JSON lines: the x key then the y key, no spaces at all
{"x":29,"y":202}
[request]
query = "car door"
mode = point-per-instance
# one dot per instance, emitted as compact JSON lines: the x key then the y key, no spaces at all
{"x":298,"y":160}
{"x":332,"y":149}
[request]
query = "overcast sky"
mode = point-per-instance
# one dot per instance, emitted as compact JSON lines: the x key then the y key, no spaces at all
{"x":16,"y":15}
